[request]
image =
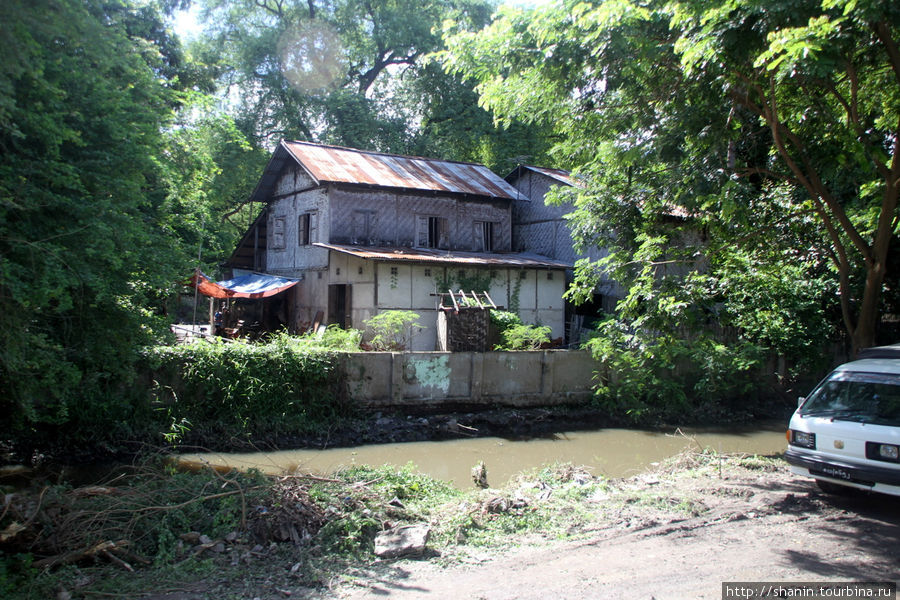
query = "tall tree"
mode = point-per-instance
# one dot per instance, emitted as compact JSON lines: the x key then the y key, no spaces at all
{"x":757,"y":118}
{"x":86,"y":87}
{"x":351,"y":73}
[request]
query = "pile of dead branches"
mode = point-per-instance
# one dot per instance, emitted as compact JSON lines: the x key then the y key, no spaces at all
{"x":126,"y":520}
{"x":287,"y":514}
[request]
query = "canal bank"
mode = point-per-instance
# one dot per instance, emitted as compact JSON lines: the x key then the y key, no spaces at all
{"x":560,"y":532}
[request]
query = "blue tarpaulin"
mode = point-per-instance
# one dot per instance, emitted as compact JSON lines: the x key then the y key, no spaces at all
{"x":252,"y":285}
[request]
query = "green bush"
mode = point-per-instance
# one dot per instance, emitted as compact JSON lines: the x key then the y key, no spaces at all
{"x":286,"y":385}
{"x":524,"y":337}
{"x":504,"y":319}
{"x":649,"y":378}
{"x":393,"y":329}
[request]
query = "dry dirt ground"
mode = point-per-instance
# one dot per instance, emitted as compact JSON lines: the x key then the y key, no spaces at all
{"x":741,"y":524}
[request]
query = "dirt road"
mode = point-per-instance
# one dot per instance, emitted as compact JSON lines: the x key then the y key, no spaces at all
{"x":748,"y":525}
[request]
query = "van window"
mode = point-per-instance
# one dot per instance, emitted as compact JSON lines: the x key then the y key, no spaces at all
{"x":862,"y":397}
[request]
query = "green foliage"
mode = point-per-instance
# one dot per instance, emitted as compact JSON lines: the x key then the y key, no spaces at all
{"x":765,"y":128}
{"x":337,"y":339}
{"x":210,"y":168}
{"x":358,"y":511}
{"x":393,"y":329}
{"x":16,"y":573}
{"x":504,"y":319}
{"x":85,"y":89}
{"x":246,"y":389}
{"x":524,"y":337}
{"x":352,"y":74}
{"x":648,"y":379}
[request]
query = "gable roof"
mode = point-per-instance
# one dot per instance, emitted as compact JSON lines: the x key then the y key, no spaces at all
{"x":561,"y":176}
{"x":565,"y":178}
{"x":335,"y":164}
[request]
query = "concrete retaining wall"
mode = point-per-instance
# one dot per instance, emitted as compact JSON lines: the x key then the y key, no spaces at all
{"x":430,"y":380}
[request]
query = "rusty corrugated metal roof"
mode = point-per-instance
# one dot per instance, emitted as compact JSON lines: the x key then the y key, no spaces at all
{"x":475,"y":259}
{"x":559,"y":175}
{"x":334,"y":164}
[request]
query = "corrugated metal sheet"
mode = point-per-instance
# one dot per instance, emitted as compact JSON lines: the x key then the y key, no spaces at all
{"x":516,"y":260}
{"x":333,"y":164}
{"x":558,"y":174}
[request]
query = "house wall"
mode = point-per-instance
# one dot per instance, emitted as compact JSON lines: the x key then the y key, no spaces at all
{"x":542,"y":228}
{"x":296,"y":194}
{"x":539,"y":227}
{"x":391,"y":218}
{"x":380,"y":286}
{"x":412,"y":285}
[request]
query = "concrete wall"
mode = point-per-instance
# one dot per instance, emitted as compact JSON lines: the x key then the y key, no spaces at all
{"x":431,"y":380}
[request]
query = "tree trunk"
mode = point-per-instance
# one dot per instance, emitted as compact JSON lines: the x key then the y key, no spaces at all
{"x":867,"y":322}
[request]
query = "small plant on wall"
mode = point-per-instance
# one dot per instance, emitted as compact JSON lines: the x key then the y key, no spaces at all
{"x":393,"y":329}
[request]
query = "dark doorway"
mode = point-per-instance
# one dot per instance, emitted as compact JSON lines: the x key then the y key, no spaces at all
{"x":339,"y":305}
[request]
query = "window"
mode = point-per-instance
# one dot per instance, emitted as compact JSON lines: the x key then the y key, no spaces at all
{"x":278,"y":233}
{"x":303,"y":229}
{"x":484,"y":236}
{"x":432,"y":232}
{"x":549,"y":275}
{"x":427,"y":272}
{"x":363,"y":226}
{"x":393,"y":270}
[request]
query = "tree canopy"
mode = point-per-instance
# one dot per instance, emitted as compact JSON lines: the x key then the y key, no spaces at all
{"x":770,"y":127}
{"x":86,"y":88}
{"x":354,"y":74}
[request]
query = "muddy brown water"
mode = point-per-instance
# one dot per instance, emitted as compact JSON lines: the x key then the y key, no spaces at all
{"x":607,"y":452}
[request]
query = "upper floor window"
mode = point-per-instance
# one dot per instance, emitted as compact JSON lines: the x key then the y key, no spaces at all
{"x":484,"y":236}
{"x":278,"y":233}
{"x":432,"y":232}
{"x":304,"y":229}
{"x":363,"y":226}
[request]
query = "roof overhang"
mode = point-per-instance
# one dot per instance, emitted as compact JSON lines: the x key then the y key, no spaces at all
{"x":517,"y":260}
{"x":251,"y":285}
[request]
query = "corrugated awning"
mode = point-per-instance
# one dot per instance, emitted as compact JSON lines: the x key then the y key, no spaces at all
{"x":456,"y":257}
{"x":252,"y":285}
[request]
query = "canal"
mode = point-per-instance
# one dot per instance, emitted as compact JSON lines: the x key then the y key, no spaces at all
{"x":607,"y":452}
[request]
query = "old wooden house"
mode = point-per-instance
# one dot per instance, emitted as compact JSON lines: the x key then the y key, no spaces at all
{"x":541,"y":228}
{"x":367,"y":232}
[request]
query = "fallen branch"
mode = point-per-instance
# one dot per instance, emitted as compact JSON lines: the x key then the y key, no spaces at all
{"x":115,"y":559}
{"x":77,"y":555}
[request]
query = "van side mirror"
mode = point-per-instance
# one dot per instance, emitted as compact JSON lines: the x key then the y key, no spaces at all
{"x":800,"y":401}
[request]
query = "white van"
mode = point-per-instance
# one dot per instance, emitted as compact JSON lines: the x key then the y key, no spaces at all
{"x":846,"y":433}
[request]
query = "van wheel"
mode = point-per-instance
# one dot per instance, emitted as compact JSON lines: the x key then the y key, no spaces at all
{"x":833,"y":488}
